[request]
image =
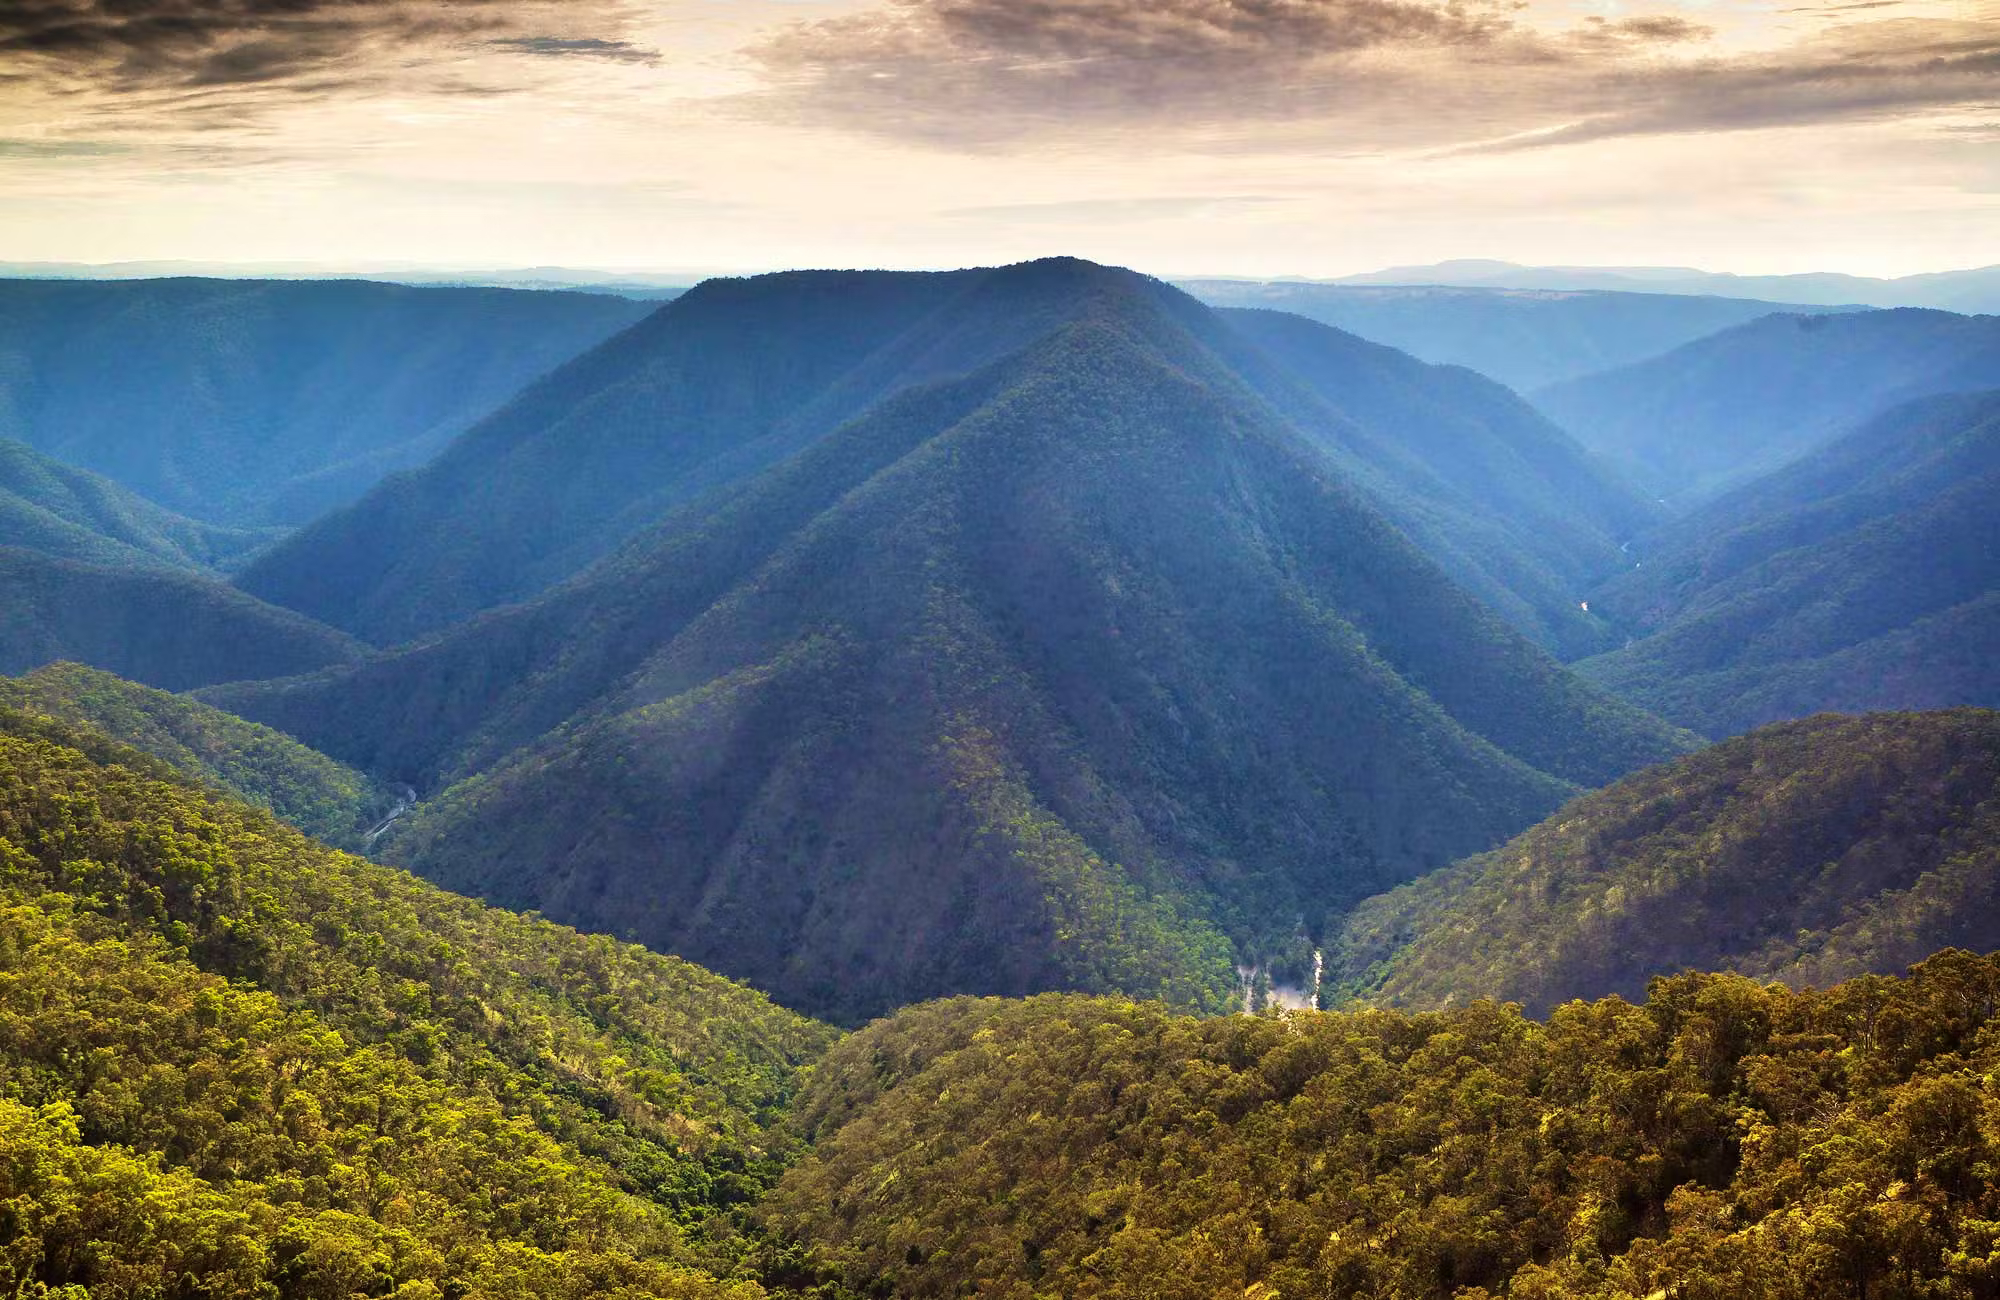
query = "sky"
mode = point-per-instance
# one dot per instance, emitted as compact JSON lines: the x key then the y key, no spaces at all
{"x":1184,"y":137}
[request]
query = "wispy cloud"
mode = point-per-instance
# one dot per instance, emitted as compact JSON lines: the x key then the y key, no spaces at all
{"x":1363,"y":74}
{"x":585,"y":47}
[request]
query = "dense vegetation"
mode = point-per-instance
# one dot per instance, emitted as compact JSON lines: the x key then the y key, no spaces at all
{"x":327,"y":800}
{"x":1074,"y":672}
{"x":738,"y":374}
{"x":1722,"y":1141}
{"x":173,"y":630}
{"x":1525,"y":338}
{"x":1722,"y":410}
{"x":233,"y":1062}
{"x":74,"y":514}
{"x":265,"y":402}
{"x":1807,"y":852}
{"x":1866,"y":576}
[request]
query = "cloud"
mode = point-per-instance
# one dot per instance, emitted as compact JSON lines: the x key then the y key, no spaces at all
{"x":588,"y":47}
{"x":1341,"y":75}
{"x":1090,"y":211}
{"x":144,"y":53}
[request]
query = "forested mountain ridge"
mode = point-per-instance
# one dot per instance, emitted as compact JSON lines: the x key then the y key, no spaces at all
{"x":736,"y":375}
{"x":235,"y":1062}
{"x":1722,"y":1141}
{"x":250,"y":402}
{"x":1865,"y":576}
{"x":1075,"y":671}
{"x":1808,"y":852}
{"x":73,"y":514}
{"x":1525,"y":338}
{"x":174,"y":630}
{"x":1719,"y":411}
{"x":329,"y":801}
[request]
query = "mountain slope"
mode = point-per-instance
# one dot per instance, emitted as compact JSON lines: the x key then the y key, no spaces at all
{"x":1509,"y":505}
{"x":1743,"y":402}
{"x":1721,"y":1140}
{"x":1807,"y":852}
{"x":1866,"y":576}
{"x":71,"y":513}
{"x":1058,"y":674}
{"x":1973,"y":290}
{"x":166,"y":629}
{"x":327,"y":800}
{"x":1525,"y":338}
{"x":266,"y":402}
{"x":235,"y":1062}
{"x":738,"y":374}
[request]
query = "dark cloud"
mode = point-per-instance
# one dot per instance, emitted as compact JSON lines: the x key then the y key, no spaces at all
{"x":105,"y":48}
{"x":582,"y":47}
{"x":1356,"y":75}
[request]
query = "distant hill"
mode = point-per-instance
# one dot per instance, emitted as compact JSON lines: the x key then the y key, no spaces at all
{"x":59,"y":510}
{"x":1808,"y":852}
{"x":1973,"y":291}
{"x":1720,"y":411}
{"x":737,"y":375}
{"x":1721,"y":1140}
{"x":248,"y":402}
{"x":327,"y":800}
{"x":240,"y":1063}
{"x":1085,"y":669}
{"x":166,"y":629}
{"x":1866,"y":576}
{"x":1525,"y":338}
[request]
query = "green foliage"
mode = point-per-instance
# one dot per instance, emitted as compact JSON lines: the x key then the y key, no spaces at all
{"x":1808,"y":852}
{"x":167,"y":629}
{"x":327,"y":800}
{"x":1723,"y":1141}
{"x":233,"y":1062}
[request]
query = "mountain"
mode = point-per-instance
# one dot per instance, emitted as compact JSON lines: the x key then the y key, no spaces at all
{"x":1722,"y":1140}
{"x":1866,"y":576}
{"x":739,"y":374}
{"x":1807,"y":852}
{"x":1726,"y":408}
{"x":52,"y":508}
{"x":238,"y":1063}
{"x":166,"y":629}
{"x":247,"y":402}
{"x":1086,"y":668}
{"x":327,"y":800}
{"x":1973,"y":291}
{"x":1525,"y":338}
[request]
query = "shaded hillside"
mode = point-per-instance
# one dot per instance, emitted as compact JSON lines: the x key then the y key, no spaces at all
{"x":1722,"y":410}
{"x":1808,"y":852}
{"x":1525,"y":338}
{"x":1866,"y":576}
{"x":1072,"y":672}
{"x":739,"y":374}
{"x":1723,"y":1140}
{"x":327,"y":800}
{"x":52,"y":508}
{"x":266,"y":402}
{"x":166,"y":629}
{"x":233,"y":1062}
{"x":1509,"y":505}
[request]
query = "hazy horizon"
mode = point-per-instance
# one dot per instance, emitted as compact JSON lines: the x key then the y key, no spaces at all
{"x":1252,"y":138}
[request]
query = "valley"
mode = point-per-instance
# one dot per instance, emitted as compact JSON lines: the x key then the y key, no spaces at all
{"x":1015,"y":781}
